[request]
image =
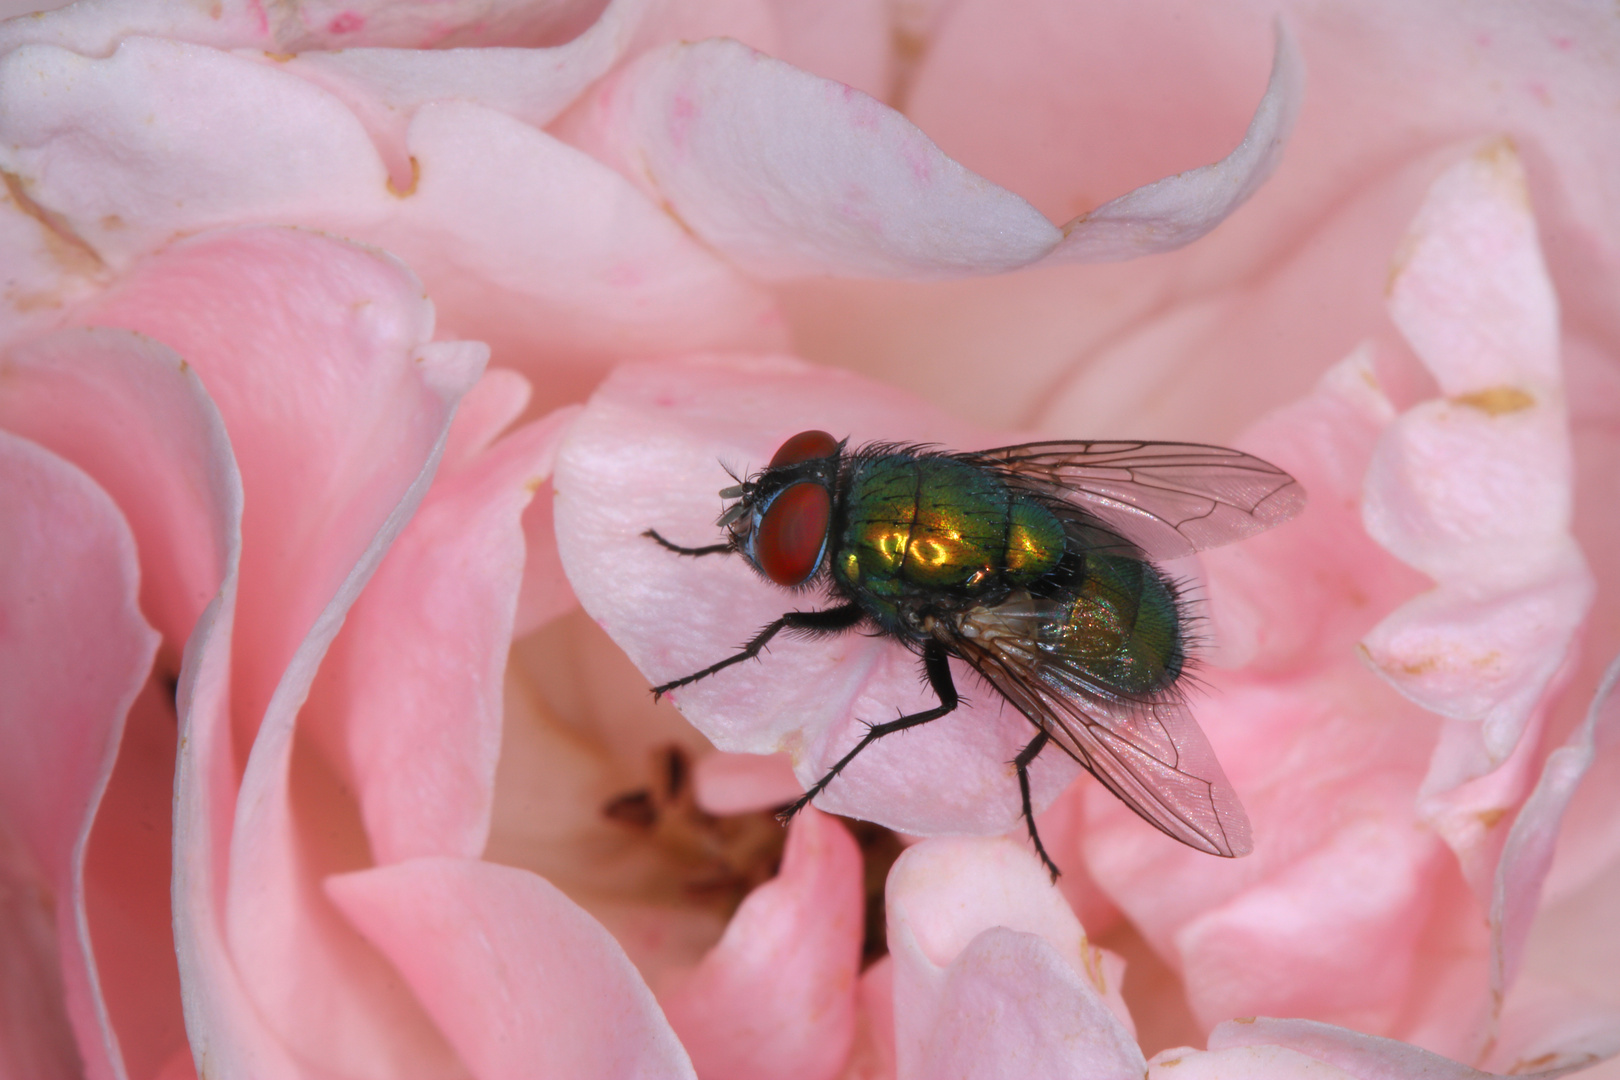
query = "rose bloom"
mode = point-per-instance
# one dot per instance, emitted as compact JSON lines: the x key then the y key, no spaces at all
{"x":347,"y":350}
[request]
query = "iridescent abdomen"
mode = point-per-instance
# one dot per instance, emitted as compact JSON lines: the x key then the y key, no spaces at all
{"x":1122,"y":624}
{"x":918,"y":524}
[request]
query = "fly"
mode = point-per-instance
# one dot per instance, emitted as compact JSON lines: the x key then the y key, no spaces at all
{"x":1035,"y":566}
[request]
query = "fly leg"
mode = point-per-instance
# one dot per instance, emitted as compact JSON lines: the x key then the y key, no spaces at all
{"x":1022,"y":762}
{"x":828,"y":621}
{"x":937,"y":666}
{"x":712,"y":549}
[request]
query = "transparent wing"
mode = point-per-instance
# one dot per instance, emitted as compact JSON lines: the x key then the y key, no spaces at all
{"x":1167,"y":499}
{"x":1150,"y":753}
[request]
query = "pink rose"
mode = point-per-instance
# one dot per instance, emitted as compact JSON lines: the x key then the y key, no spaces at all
{"x":311,"y":765}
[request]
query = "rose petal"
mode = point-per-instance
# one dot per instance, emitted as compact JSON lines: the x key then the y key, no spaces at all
{"x":722,"y":133}
{"x":1475,"y":490}
{"x":128,"y":877}
{"x":45,"y":269}
{"x":134,"y":415}
{"x":776,"y":997}
{"x":131,"y":413}
{"x":386,"y":86}
{"x":77,"y":652}
{"x":744,"y":783}
{"x":993,"y":973}
{"x":543,"y":251}
{"x":1241,"y":1063}
{"x":1365,"y":1057}
{"x":1272,"y":608}
{"x":427,"y":640}
{"x":334,"y":404}
{"x":36,"y":1036}
{"x":572,"y":1005}
{"x":1528,"y":853}
{"x":643,"y":454}
{"x":1170,"y":213}
{"x":98,"y":28}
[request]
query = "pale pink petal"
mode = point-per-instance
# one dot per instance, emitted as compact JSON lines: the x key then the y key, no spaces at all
{"x":850,"y":41}
{"x":45,"y":269}
{"x":1344,"y":922}
{"x":495,"y":401}
{"x":97,"y":27}
{"x":131,"y":413}
{"x":788,"y":174}
{"x":1242,"y":1063}
{"x":77,"y":653}
{"x":36,"y":1037}
{"x":466,"y":934}
{"x":336,"y":405}
{"x":1528,"y":853}
{"x":993,"y":975}
{"x":1475,"y":490}
{"x":1271,"y":606}
{"x":1351,"y":1053}
{"x":872,"y":1056}
{"x":535,"y":248}
{"x":385,"y":86}
{"x":1547,"y":1026}
{"x":744,"y":783}
{"x":523,"y":242}
{"x":426,"y":642}
{"x":776,"y":997}
{"x":647,"y":453}
{"x":1177,"y":210}
{"x":127,"y":890}
{"x":134,"y":415}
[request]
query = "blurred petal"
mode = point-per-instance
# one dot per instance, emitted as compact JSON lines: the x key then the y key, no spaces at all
{"x":993,"y":974}
{"x":788,"y":174}
{"x":1528,"y":852}
{"x":739,"y":783}
{"x":1177,"y":210}
{"x":644,"y":454}
{"x":77,"y":653}
{"x":776,"y":997}
{"x":98,"y":26}
{"x":1242,"y":1063}
{"x":1475,"y":491}
{"x":571,"y":1003}
{"x":1364,"y":1057}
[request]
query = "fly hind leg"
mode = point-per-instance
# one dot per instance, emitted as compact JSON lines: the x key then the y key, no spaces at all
{"x":828,"y":621}
{"x":1022,"y":762}
{"x":937,"y":666}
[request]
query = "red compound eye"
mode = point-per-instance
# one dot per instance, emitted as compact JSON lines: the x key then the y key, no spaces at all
{"x":805,"y":446}
{"x":789,"y":538}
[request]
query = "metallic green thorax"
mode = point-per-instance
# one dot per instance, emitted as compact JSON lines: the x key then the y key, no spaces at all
{"x":934,"y":523}
{"x":918,"y":529}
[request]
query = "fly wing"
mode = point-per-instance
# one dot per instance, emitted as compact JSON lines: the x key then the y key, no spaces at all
{"x":1150,"y":753}
{"x":1167,"y":499}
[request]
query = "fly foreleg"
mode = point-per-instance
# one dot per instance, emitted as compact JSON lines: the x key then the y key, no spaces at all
{"x":1022,"y":762}
{"x":828,"y":621}
{"x":712,"y":549}
{"x":937,"y":666}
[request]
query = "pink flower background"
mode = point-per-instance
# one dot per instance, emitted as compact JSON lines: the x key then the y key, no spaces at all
{"x":346,"y":349}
